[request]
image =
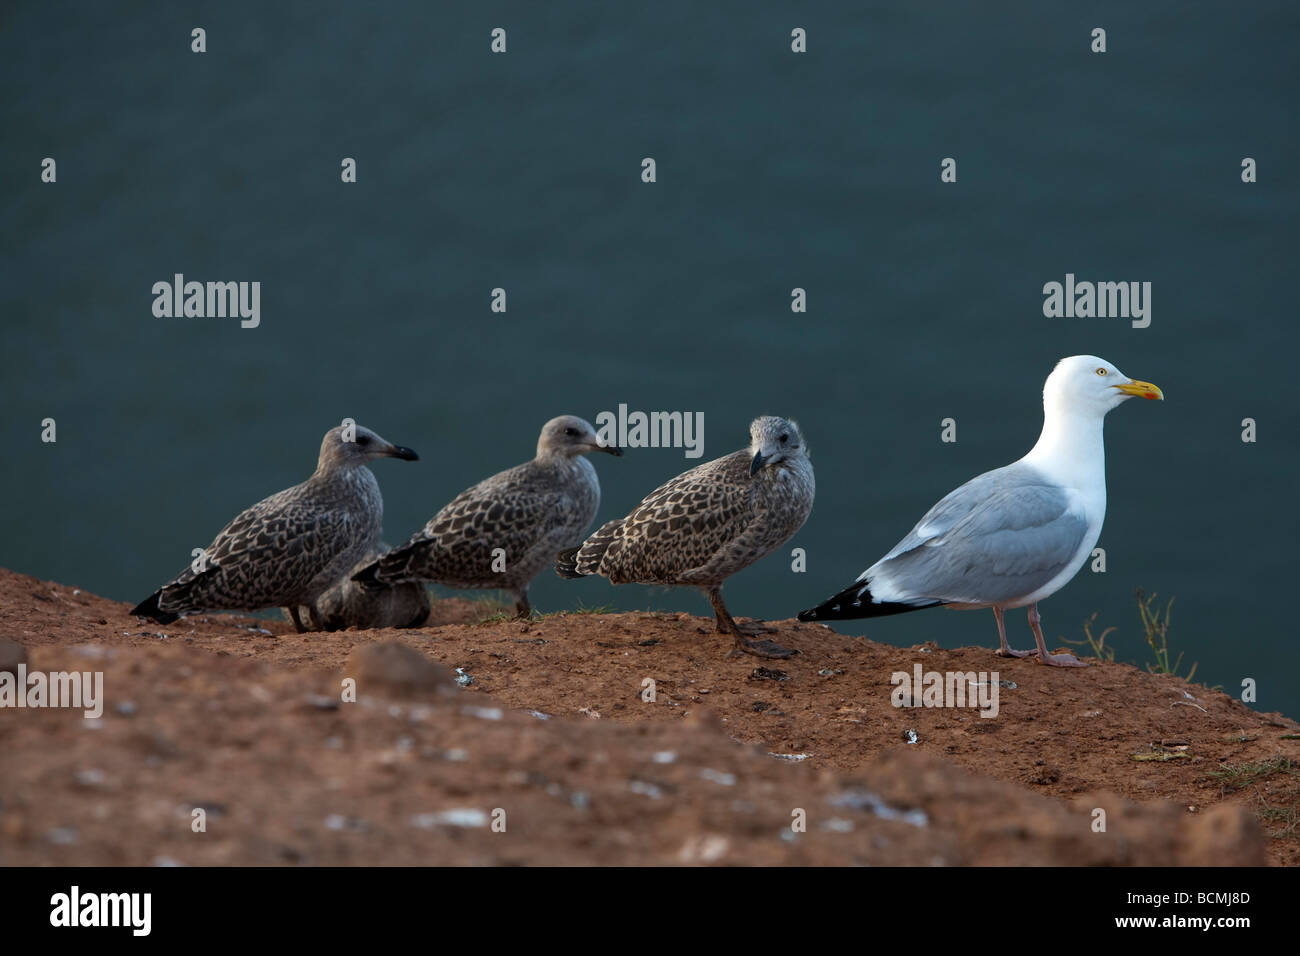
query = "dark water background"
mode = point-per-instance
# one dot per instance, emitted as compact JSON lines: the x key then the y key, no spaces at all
{"x":775,"y":170}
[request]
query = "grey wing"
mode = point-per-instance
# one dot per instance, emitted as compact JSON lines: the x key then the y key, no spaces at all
{"x":680,"y":526}
{"x":999,"y":537}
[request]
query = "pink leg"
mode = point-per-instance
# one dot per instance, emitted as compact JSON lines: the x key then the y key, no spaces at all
{"x":1054,"y":660}
{"x":1005,"y":650}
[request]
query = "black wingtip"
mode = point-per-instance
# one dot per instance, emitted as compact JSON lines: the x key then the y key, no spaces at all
{"x":149,"y":608}
{"x":854,"y":603}
{"x":566,"y":564}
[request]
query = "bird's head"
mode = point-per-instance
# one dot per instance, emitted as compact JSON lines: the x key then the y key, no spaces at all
{"x":567,"y":436}
{"x":349,"y":445}
{"x":773,"y":440}
{"x":1089,"y":382}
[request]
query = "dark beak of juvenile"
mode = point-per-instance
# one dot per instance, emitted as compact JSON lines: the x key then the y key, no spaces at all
{"x":404,"y":453}
{"x":610,"y":450}
{"x":758,"y":462}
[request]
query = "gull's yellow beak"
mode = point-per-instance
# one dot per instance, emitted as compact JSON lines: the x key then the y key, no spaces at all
{"x":1141,"y":389}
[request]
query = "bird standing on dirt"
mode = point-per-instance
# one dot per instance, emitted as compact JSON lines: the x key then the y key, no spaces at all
{"x":1015,"y":535}
{"x":710,"y":522}
{"x":288,"y":549}
{"x":502,"y":532}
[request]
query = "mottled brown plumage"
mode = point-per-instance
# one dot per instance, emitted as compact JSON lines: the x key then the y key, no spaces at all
{"x":287,"y":549}
{"x":710,"y":522}
{"x":504,"y":530}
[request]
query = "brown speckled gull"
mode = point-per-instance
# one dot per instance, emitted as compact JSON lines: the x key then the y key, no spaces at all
{"x":710,"y":522}
{"x":503,"y":531}
{"x":288,"y":549}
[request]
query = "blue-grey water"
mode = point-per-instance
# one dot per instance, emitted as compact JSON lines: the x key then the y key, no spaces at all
{"x":775,"y":170}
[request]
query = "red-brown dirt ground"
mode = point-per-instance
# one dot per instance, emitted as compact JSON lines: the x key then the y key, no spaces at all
{"x":554,"y":755}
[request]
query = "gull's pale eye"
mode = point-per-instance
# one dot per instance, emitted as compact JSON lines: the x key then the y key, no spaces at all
{"x":1101,"y":371}
{"x":571,"y":432}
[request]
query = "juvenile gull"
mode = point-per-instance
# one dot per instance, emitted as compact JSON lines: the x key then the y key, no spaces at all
{"x":347,"y":604}
{"x":503,"y":531}
{"x":1015,"y":535}
{"x":710,"y":522}
{"x":286,"y":550}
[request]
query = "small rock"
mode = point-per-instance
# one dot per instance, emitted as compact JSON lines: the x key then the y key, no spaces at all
{"x":458,"y":817}
{"x":1044,"y":777}
{"x":339,"y":821}
{"x":90,"y":778}
{"x":716,"y":776}
{"x":63,"y":836}
{"x":396,"y":665}
{"x":703,"y":848}
{"x":857,"y":798}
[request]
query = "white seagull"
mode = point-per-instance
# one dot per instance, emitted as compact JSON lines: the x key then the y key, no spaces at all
{"x":1015,"y":535}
